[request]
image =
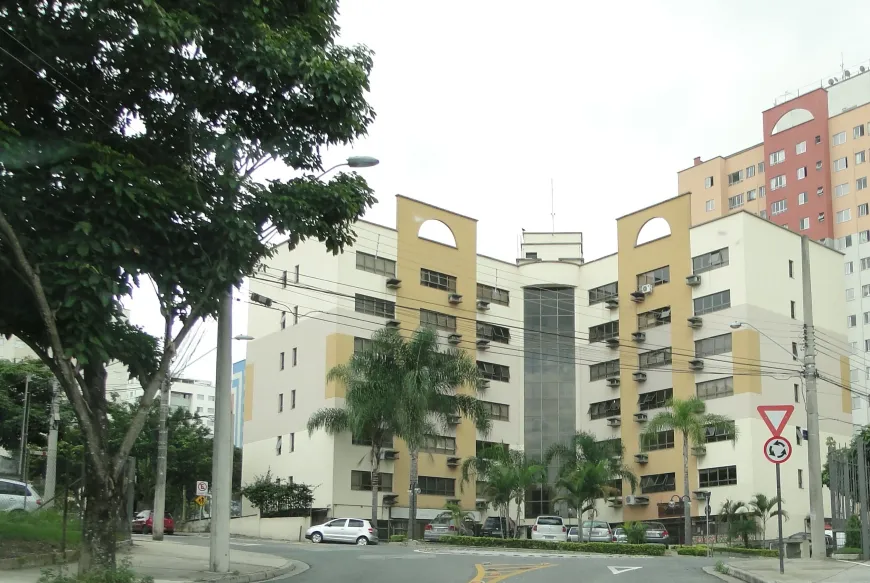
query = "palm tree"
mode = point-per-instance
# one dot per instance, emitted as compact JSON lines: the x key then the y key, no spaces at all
{"x":458,"y":516}
{"x":583,"y":485}
{"x":730,"y":512}
{"x":430,"y":380}
{"x":764,"y":508}
{"x":690,"y":419}
{"x":584,"y":449}
{"x":369,"y":413}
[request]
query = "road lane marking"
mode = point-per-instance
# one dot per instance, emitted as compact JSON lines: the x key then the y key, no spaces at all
{"x":487,"y":573}
{"x":618,"y":570}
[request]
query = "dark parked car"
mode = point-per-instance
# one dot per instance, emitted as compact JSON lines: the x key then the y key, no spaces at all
{"x":144,"y":523}
{"x":497,"y":527}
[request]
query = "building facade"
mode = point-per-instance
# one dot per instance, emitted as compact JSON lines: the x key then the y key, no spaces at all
{"x":566,"y":346}
{"x":809,"y":174}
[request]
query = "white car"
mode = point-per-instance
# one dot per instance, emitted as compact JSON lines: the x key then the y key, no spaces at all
{"x":550,"y":528}
{"x":343,"y":530}
{"x":16,"y":495}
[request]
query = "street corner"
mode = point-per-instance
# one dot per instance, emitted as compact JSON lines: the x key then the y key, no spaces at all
{"x":492,"y":573}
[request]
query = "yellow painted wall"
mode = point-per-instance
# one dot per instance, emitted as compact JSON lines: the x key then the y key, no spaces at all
{"x":846,"y":381}
{"x":746,"y":354}
{"x":339,"y":349}
{"x":249,"y":392}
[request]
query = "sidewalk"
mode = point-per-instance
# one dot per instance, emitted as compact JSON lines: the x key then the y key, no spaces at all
{"x":170,"y":561}
{"x":800,"y":571}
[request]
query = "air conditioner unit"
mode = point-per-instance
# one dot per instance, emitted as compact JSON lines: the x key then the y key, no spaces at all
{"x":394,"y":283}
{"x":454,"y":298}
{"x":638,"y":336}
{"x":453,"y":419}
{"x":699,"y":450}
{"x":613,"y":382}
{"x":640,"y":417}
{"x":639,"y":376}
{"x":695,"y":322}
{"x":612,"y":303}
{"x":641,"y":458}
{"x":646,"y":289}
{"x":452,"y":462}
{"x":637,"y":296}
{"x":696,"y":364}
{"x":701,"y":494}
{"x":612,"y":342}
{"x":390,"y":499}
{"x":615,"y":501}
{"x":482,"y":305}
{"x":392,"y":323}
{"x":614,"y":421}
{"x":632,"y":500}
{"x":454,"y":339}
{"x":693,"y":280}
{"x":389,"y":454}
{"x":453,"y":500}
{"x":482,"y":344}
{"x":480,"y":503}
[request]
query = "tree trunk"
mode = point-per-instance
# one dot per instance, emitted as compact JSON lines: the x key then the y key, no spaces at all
{"x":687,"y":504}
{"x":517,"y":523}
{"x":162,"y":447}
{"x":103,"y":503}
{"x":412,"y":505}
{"x":376,"y":482}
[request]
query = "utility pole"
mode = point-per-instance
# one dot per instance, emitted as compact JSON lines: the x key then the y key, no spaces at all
{"x":162,"y":446}
{"x":22,"y":443}
{"x":51,"y":461}
{"x":222,"y":456}
{"x":814,"y":453}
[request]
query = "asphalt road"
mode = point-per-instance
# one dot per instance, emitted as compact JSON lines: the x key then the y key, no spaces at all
{"x":396,"y":563}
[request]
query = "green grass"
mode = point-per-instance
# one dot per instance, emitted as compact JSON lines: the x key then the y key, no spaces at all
{"x":745,"y":551}
{"x":44,"y":526}
{"x":397,"y":538}
{"x":848,"y":551}
{"x":694,"y":551}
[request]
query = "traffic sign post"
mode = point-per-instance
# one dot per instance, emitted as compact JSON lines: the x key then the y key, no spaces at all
{"x":777,"y":450}
{"x":201,"y":488}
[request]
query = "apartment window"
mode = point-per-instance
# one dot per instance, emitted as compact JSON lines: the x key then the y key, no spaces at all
{"x":708,"y":182}
{"x":493,"y":332}
{"x":654,"y":399}
{"x":804,"y":224}
{"x":844,"y":242}
{"x":360,"y":480}
{"x":840,"y":164}
{"x":655,"y":277}
{"x":792,"y":303}
{"x":653,"y":318}
{"x":211,"y":399}
{"x":293,"y":360}
{"x":800,"y":479}
{"x":437,"y":280}
{"x":656,"y":441}
{"x":433,"y":486}
{"x":841,"y":189}
{"x":374,"y":306}
{"x":794,"y":351}
{"x":497,"y":411}
{"x":494,"y":372}
{"x":864,"y":236}
{"x":531,"y":255}
{"x":800,"y":148}
{"x":712,"y":346}
{"x":437,"y":319}
{"x":296,"y":274}
{"x":200,"y":397}
{"x":386,"y":441}
{"x":375,"y":264}
{"x":802,"y":173}
{"x":852,"y":321}
{"x":818,"y":139}
{"x":604,"y":370}
{"x":866,"y":321}
{"x":865,"y":290}
{"x":362,"y":344}
{"x":293,"y":399}
{"x":867,"y":345}
{"x":849,"y":267}
{"x":715,"y":389}
{"x":860,"y":157}
{"x":762,"y":214}
{"x":713,"y":302}
{"x":492,"y":294}
{"x":711,"y":477}
{"x":280,"y":402}
{"x":278,"y":441}
{"x":281,"y":361}
{"x":777,"y":157}
{"x":802,"y":198}
{"x":818,"y":165}
{"x":778,"y":207}
{"x":710,"y":205}
{"x":762,"y":191}
{"x":839,"y":138}
{"x":861,"y":183}
{"x":820,"y":190}
{"x":283,"y":320}
{"x":439,"y":444}
{"x":858,"y":131}
{"x":211,"y":410}
{"x":735,"y":201}
{"x":863,"y":210}
{"x":735,"y":177}
{"x":796,"y":393}
{"x":658,"y":483}
{"x":295,"y":315}
{"x":654,"y":358}
{"x":199,"y":409}
{"x":602,"y":409}
{"x":751,"y":194}
{"x":603,"y":293}
{"x":750,"y":171}
{"x":604,"y":331}
{"x":844,"y":216}
{"x":714,"y":434}
{"x":777,"y":182}
{"x":760,"y":167}
{"x":292,"y":442}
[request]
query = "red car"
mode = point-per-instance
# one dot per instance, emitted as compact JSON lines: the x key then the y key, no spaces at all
{"x":144,"y":523}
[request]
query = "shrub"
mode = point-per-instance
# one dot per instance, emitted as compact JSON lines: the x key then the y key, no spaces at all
{"x":696,"y":551}
{"x":278,"y":499}
{"x":635,"y":532}
{"x":745,"y":551}
{"x":853,"y":532}
{"x":849,"y":551}
{"x":721,"y":568}
{"x":397,"y":538}
{"x":122,"y":574}
{"x":609,"y":548}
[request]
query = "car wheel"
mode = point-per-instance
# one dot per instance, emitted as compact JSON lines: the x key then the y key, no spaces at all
{"x":317,"y":537}
{"x":170,"y":532}
{"x":144,"y":530}
{"x":362,"y":541}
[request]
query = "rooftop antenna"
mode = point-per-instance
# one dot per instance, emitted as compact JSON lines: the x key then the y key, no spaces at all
{"x":552,"y":208}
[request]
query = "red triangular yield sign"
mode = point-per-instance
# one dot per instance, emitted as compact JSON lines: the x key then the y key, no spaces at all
{"x":776,"y":416}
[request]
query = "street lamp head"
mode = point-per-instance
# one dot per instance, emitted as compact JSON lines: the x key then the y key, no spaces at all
{"x":735,"y":325}
{"x":243,"y":337}
{"x":362,"y":161}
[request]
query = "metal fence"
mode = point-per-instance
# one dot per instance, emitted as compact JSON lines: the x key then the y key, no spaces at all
{"x":848,"y":472}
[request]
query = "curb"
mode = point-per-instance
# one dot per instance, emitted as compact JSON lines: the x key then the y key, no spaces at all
{"x":713,"y":572}
{"x":291,"y":568}
{"x":745,"y":575}
{"x":41,"y":560}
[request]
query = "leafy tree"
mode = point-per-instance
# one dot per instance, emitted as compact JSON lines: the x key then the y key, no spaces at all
{"x":276,"y":498}
{"x":583,"y":449}
{"x":373,"y":389}
{"x":635,"y":532}
{"x":12,"y":380}
{"x":128,"y":142}
{"x":853,"y":532}
{"x":743,"y":526}
{"x":765,"y":508}
{"x":690,"y":419}
{"x":731,"y":511}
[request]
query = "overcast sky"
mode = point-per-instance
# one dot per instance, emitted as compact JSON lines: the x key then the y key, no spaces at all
{"x":481,"y":103}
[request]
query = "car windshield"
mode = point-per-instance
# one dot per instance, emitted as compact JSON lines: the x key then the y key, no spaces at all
{"x":144,"y":514}
{"x":594,"y":524}
{"x":619,"y":531}
{"x":573,"y":530}
{"x":550,"y":521}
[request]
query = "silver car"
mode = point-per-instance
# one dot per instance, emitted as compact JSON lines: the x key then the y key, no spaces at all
{"x":445,"y":525}
{"x":596,"y":531}
{"x":18,"y":496}
{"x":343,"y":530}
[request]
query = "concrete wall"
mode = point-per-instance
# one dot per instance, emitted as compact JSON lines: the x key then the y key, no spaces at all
{"x":292,"y":529}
